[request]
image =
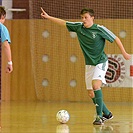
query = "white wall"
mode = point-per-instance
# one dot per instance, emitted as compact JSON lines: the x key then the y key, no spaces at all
{"x":7,"y":4}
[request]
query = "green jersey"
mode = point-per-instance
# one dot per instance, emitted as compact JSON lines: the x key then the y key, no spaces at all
{"x":92,"y":41}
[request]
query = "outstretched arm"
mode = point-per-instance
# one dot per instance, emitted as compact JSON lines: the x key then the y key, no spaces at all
{"x":124,"y":53}
{"x":56,"y":20}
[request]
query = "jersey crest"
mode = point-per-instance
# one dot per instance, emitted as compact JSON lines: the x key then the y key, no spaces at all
{"x":94,"y":34}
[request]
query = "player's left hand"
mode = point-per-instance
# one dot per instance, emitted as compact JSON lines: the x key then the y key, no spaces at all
{"x":127,"y":56}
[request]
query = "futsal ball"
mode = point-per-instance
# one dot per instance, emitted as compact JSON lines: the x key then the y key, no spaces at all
{"x":62,"y":116}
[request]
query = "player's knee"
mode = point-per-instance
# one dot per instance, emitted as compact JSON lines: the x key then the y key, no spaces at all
{"x":96,"y":84}
{"x":91,"y":93}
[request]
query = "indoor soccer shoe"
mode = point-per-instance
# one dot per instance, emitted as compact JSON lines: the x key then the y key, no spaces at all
{"x":107,"y":117}
{"x":98,"y":121}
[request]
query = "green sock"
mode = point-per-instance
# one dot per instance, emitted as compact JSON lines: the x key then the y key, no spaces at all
{"x":99,"y":102}
{"x":105,"y":109}
{"x":94,"y":101}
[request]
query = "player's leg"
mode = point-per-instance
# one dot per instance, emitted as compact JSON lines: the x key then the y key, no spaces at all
{"x":89,"y":73}
{"x":88,"y":78}
{"x":98,"y":93}
{"x":89,"y":70}
{"x":104,"y":109}
{"x":98,"y":80}
{"x":98,"y":96}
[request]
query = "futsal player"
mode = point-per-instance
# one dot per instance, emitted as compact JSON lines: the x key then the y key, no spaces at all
{"x":92,"y":38}
{"x":5,"y":40}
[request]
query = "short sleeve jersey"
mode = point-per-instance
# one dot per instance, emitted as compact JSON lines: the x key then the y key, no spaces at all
{"x":4,"y":34}
{"x":92,"y":41}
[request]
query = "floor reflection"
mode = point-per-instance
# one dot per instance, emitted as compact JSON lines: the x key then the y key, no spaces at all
{"x":62,"y":128}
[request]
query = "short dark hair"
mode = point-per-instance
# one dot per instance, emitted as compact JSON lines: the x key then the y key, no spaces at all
{"x":2,"y":11}
{"x":87,"y":10}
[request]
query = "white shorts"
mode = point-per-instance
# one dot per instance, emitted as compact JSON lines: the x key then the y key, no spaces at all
{"x":95,"y":72}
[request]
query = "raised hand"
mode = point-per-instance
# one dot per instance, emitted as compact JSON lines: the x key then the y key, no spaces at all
{"x":44,"y":14}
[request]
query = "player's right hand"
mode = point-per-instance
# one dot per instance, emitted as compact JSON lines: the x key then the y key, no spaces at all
{"x":44,"y":14}
{"x":9,"y":68}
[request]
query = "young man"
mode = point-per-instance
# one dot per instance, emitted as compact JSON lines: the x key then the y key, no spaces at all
{"x":92,"y":41}
{"x":5,"y":40}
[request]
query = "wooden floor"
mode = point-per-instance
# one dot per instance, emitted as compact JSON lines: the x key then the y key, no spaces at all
{"x":39,"y":117}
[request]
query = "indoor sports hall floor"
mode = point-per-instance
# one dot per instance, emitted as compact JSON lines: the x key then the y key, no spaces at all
{"x":39,"y":117}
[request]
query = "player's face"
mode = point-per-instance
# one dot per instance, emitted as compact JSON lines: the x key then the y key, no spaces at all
{"x":3,"y":18}
{"x":87,"y":20}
